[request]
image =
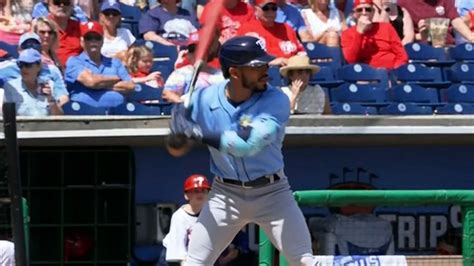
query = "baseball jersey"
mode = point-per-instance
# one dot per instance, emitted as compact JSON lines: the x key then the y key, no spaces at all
{"x":280,"y":40}
{"x":231,"y":19}
{"x":378,"y":47}
{"x":214,"y":114}
{"x":176,"y":241}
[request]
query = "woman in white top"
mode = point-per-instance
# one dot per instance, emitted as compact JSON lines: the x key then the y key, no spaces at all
{"x":304,"y":98}
{"x":115,"y":39}
{"x":324,"y":22}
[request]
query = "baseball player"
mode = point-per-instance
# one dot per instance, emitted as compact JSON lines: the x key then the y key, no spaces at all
{"x":196,"y":188}
{"x":242,"y":120}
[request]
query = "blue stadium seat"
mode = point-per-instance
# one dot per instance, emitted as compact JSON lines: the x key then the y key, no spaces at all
{"x":323,"y":55}
{"x":420,"y":53}
{"x":12,"y":50}
{"x":355,"y":73}
{"x":326,"y":78}
{"x":458,"y":93}
{"x":352,"y":109}
{"x":135,"y":109}
{"x":462,"y":52}
{"x":164,"y":57}
{"x":275,"y":79}
{"x":146,"y":94}
{"x":419,"y":74}
{"x":461,"y":73}
{"x":360,"y":93}
{"x":455,"y":108}
{"x":405,"y":109}
{"x":413,"y":93}
{"x":130,"y":18}
{"x":77,"y":108}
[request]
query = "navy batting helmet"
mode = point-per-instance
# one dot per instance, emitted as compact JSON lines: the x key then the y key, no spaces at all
{"x":243,"y":51}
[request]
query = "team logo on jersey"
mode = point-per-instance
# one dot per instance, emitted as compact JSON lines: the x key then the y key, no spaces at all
{"x":261,"y":41}
{"x":245,"y":121}
{"x":287,"y":47}
{"x":440,"y":10}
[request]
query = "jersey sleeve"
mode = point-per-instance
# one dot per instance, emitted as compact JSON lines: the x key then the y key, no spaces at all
{"x":176,"y":240}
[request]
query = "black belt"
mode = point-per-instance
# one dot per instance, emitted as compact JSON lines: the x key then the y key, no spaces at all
{"x":261,"y":181}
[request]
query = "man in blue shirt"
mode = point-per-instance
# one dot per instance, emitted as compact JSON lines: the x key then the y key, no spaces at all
{"x":94,"y":79}
{"x":291,"y":15}
{"x":243,"y":123}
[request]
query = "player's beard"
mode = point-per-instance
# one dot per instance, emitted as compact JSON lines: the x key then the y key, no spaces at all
{"x":255,"y":86}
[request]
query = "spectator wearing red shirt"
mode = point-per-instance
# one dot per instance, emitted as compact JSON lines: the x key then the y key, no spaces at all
{"x":235,"y":14}
{"x":68,"y":29}
{"x":420,"y":10}
{"x":376,"y":44}
{"x":279,"y":39}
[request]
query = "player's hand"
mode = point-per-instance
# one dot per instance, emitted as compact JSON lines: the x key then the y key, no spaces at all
{"x":181,"y":123}
{"x":363,"y":24}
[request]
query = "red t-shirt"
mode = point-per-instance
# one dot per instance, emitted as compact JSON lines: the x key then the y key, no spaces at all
{"x":471,"y":16}
{"x":280,"y":40}
{"x":69,"y":41}
{"x":231,"y":19}
{"x":379,"y":47}
{"x":423,"y":9}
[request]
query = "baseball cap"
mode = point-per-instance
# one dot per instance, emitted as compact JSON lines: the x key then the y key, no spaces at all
{"x":29,"y":56}
{"x":263,"y":2}
{"x":91,"y":26}
{"x":28,"y":36}
{"x":360,"y":2}
{"x":110,"y":5}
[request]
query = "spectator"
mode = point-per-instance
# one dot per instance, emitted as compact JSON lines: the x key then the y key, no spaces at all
{"x":41,"y":9}
{"x":116,"y":39}
{"x":33,"y":93}
{"x":289,"y":14}
{"x":373,"y":43}
{"x":390,"y":11}
{"x":14,"y":25}
{"x":168,"y":23}
{"x":469,"y":20}
{"x":464,"y":6}
{"x":10,"y":70}
{"x":279,"y":39}
{"x":422,"y":10}
{"x":139,"y":63}
{"x":46,"y":30}
{"x":68,"y":29}
{"x":92,"y":78}
{"x":178,"y":81}
{"x":89,"y":7}
{"x":325,"y":23}
{"x":234,"y":15}
{"x":304,"y":98}
{"x":196,"y":189}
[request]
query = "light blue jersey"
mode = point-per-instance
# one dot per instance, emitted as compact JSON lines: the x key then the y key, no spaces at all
{"x":215,"y":114}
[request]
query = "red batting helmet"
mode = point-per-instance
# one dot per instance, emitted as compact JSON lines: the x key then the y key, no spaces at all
{"x":196,"y":181}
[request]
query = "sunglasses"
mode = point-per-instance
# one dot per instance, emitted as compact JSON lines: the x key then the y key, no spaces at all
{"x":31,"y":44}
{"x":366,"y":9}
{"x":62,"y":2}
{"x":93,"y":37}
{"x":111,"y":13}
{"x":22,"y":65}
{"x":270,"y":7}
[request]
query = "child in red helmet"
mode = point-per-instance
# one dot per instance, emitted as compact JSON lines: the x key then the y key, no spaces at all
{"x":196,"y":189}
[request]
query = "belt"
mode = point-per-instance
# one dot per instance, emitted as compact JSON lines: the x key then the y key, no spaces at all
{"x":259,"y":182}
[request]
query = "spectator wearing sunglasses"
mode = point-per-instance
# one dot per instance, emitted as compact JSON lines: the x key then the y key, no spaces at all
{"x":68,"y":29}
{"x":279,"y":39}
{"x":33,"y":93}
{"x":46,"y":30}
{"x":92,"y":78}
{"x":41,"y":9}
{"x":10,"y":70}
{"x":390,"y":11}
{"x":116,"y":39}
{"x":374,"y":43}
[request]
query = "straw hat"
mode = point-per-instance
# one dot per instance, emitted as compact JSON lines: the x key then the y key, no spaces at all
{"x":298,"y":62}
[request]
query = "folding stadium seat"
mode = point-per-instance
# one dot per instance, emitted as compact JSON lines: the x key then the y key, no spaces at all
{"x":360,"y":93}
{"x":12,"y":50}
{"x":405,"y":109}
{"x":455,"y":108}
{"x":420,"y":75}
{"x":326,"y":78}
{"x":323,"y":55}
{"x":420,"y":53}
{"x":413,"y":93}
{"x":135,"y":109}
{"x":130,"y":18}
{"x":146,"y":94}
{"x":462,"y":52}
{"x":458,"y":93}
{"x":352,"y":109}
{"x":461,"y":73}
{"x":77,"y":108}
{"x":355,"y":73}
{"x":275,"y":79}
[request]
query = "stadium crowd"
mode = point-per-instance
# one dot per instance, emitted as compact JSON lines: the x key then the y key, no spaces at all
{"x":136,"y":56}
